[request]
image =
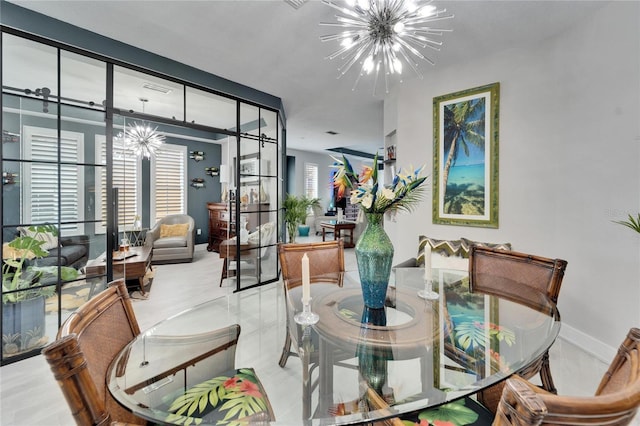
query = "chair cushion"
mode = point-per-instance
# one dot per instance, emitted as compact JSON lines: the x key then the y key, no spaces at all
{"x":176,"y":230}
{"x":231,"y":396}
{"x":466,"y":246}
{"x":463,"y":412}
{"x":169,"y":242}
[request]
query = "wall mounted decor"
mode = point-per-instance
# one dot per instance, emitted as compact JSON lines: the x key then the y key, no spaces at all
{"x":9,"y":178}
{"x":465,"y":157}
{"x":197,"y":183}
{"x":10,"y":137}
{"x":197,"y":155}
{"x":212,"y":171}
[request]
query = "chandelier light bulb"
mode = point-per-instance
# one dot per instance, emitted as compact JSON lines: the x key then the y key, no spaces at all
{"x":397,"y":65}
{"x":387,"y":34}
{"x":364,"y":4}
{"x":367,"y":66}
{"x":427,"y":10}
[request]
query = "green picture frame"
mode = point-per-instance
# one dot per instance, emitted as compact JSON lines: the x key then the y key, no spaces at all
{"x":465,"y":157}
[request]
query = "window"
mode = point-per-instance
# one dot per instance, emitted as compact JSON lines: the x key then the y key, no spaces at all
{"x":40,"y":184}
{"x":126,"y":177}
{"x":311,"y":180}
{"x":168,"y":181}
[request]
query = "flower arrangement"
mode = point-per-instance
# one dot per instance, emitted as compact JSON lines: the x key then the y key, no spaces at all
{"x":404,"y":192}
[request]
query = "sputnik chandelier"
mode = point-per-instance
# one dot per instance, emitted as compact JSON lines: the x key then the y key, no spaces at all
{"x":382,"y":35}
{"x":142,"y":139}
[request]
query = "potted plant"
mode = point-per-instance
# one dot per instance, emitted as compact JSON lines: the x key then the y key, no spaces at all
{"x":295,"y":214}
{"x":23,"y":295}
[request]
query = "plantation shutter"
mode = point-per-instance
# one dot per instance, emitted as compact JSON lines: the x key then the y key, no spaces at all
{"x":126,"y":177}
{"x":311,"y":180}
{"x":42,"y":201}
{"x":168,"y":181}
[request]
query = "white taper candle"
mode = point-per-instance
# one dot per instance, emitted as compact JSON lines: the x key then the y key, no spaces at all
{"x":427,"y":262}
{"x":306,"y":284}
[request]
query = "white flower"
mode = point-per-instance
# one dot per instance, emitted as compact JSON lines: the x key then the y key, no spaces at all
{"x":367,"y":200}
{"x":388,"y":194}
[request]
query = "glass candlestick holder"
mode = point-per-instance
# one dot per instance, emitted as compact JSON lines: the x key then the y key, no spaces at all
{"x":428,"y":293}
{"x":306,"y":317}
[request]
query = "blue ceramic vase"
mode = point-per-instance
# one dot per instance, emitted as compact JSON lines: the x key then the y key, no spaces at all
{"x":374,"y":254}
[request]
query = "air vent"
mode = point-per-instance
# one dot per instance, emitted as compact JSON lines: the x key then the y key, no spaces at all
{"x":296,"y":4}
{"x":157,"y":88}
{"x":331,"y":132}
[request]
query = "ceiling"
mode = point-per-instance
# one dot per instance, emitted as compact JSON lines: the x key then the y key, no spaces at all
{"x":273,"y":47}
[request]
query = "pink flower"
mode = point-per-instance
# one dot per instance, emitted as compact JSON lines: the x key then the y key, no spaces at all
{"x":231,"y":383}
{"x":442,"y":423}
{"x":250,"y":388}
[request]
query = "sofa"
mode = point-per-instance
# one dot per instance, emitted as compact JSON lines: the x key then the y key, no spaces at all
{"x":172,"y":239}
{"x":63,"y":251}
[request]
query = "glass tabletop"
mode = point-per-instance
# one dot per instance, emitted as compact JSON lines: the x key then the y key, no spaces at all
{"x":356,"y":364}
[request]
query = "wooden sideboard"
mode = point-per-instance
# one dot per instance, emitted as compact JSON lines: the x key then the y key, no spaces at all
{"x":222,"y":221}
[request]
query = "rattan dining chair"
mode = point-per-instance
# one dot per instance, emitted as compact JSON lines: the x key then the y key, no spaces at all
{"x":326,"y":259}
{"x":615,"y":402}
{"x":522,"y":278}
{"x":85,"y":345}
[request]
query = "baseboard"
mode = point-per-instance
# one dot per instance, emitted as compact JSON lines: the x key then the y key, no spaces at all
{"x":595,"y":347}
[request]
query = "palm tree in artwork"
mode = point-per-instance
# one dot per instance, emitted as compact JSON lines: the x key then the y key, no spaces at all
{"x":463,"y":125}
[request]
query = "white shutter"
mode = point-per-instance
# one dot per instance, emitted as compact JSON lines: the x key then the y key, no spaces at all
{"x":126,"y":177}
{"x":40,"y":179}
{"x":168,"y":181}
{"x":311,"y":180}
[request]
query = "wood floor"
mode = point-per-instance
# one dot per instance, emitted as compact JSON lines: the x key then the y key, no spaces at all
{"x":29,"y":395}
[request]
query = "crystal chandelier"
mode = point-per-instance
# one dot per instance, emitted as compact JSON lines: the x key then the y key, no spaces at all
{"x":141,"y":138}
{"x":382,"y":35}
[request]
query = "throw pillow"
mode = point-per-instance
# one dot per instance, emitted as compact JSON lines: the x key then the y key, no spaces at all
{"x":444,"y":248}
{"x":466,"y":246}
{"x":262,"y":235}
{"x":50,"y":240}
{"x":177,"y":230}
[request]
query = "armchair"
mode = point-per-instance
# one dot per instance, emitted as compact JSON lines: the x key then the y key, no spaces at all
{"x":172,"y":239}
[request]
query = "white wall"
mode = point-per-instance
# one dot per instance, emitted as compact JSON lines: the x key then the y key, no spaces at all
{"x":324,"y":184}
{"x":569,"y":163}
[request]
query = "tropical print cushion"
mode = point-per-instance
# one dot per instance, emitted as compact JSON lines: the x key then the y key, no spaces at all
{"x":466,"y":246}
{"x":231,"y":399}
{"x":463,"y":412}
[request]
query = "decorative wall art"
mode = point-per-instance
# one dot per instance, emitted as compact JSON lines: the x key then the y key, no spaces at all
{"x":391,"y":152}
{"x":212,"y":171}
{"x":197,"y":183}
{"x":465,"y":163}
{"x":196,"y":155}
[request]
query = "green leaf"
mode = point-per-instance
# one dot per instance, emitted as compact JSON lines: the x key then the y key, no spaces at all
{"x":455,"y":412}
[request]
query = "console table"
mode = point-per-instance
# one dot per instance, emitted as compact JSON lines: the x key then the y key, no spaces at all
{"x":337,"y":228}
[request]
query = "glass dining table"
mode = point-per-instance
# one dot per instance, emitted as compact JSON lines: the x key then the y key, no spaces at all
{"x":355,"y":365}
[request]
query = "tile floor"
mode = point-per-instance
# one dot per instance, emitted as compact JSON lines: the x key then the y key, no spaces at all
{"x":29,"y":394}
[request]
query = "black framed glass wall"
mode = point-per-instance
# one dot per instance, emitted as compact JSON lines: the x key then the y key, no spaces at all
{"x":52,"y":111}
{"x":62,"y":110}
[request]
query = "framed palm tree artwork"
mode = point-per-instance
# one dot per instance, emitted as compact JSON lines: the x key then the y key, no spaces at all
{"x":465,"y":151}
